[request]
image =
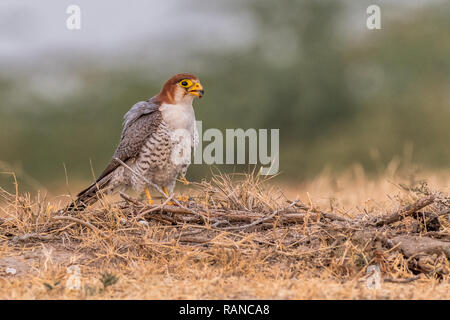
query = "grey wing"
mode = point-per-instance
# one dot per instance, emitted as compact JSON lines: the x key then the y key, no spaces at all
{"x":139,"y":109}
{"x":141,"y":122}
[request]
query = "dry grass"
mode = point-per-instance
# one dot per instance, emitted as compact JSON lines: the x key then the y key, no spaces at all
{"x":237,"y":238}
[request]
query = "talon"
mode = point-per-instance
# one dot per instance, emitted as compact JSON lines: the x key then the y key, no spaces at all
{"x":179,"y":199}
{"x":184,"y":180}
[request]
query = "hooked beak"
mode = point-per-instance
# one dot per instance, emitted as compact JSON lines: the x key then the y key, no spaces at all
{"x":196,"y":90}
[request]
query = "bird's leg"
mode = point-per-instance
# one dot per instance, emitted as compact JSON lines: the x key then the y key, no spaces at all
{"x":149,"y":197}
{"x":185,"y":182}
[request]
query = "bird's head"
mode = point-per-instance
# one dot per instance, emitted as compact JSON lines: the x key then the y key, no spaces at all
{"x":181,"y":88}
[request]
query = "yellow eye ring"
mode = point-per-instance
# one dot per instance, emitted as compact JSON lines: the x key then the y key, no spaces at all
{"x":185,"y":83}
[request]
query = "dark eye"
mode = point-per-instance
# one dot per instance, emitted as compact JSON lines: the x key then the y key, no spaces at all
{"x":185,"y":83}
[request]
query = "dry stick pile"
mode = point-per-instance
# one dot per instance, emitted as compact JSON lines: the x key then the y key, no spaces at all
{"x":424,"y":245}
{"x":245,"y":217}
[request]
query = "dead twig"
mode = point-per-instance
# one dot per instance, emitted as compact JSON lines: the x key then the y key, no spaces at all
{"x":160,"y":207}
{"x":169,"y":209}
{"x":128,"y":199}
{"x":408,"y":280}
{"x":32,"y":236}
{"x":328,"y":215}
{"x":73,"y":219}
{"x":405,"y":211}
{"x":270,"y":216}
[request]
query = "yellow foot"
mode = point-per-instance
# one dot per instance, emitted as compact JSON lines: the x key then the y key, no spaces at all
{"x":181,"y":199}
{"x":149,"y":197}
{"x":185,"y":182}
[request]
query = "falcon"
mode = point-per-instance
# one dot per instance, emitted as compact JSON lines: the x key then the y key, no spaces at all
{"x":155,"y":146}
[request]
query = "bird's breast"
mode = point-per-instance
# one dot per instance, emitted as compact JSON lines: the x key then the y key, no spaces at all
{"x":178,"y":116}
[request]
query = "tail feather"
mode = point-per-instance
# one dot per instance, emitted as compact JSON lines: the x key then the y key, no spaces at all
{"x":89,"y":195}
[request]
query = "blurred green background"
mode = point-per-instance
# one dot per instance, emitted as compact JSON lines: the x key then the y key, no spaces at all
{"x":340,"y":93}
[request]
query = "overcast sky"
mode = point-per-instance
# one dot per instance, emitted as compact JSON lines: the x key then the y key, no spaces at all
{"x":30,"y":29}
